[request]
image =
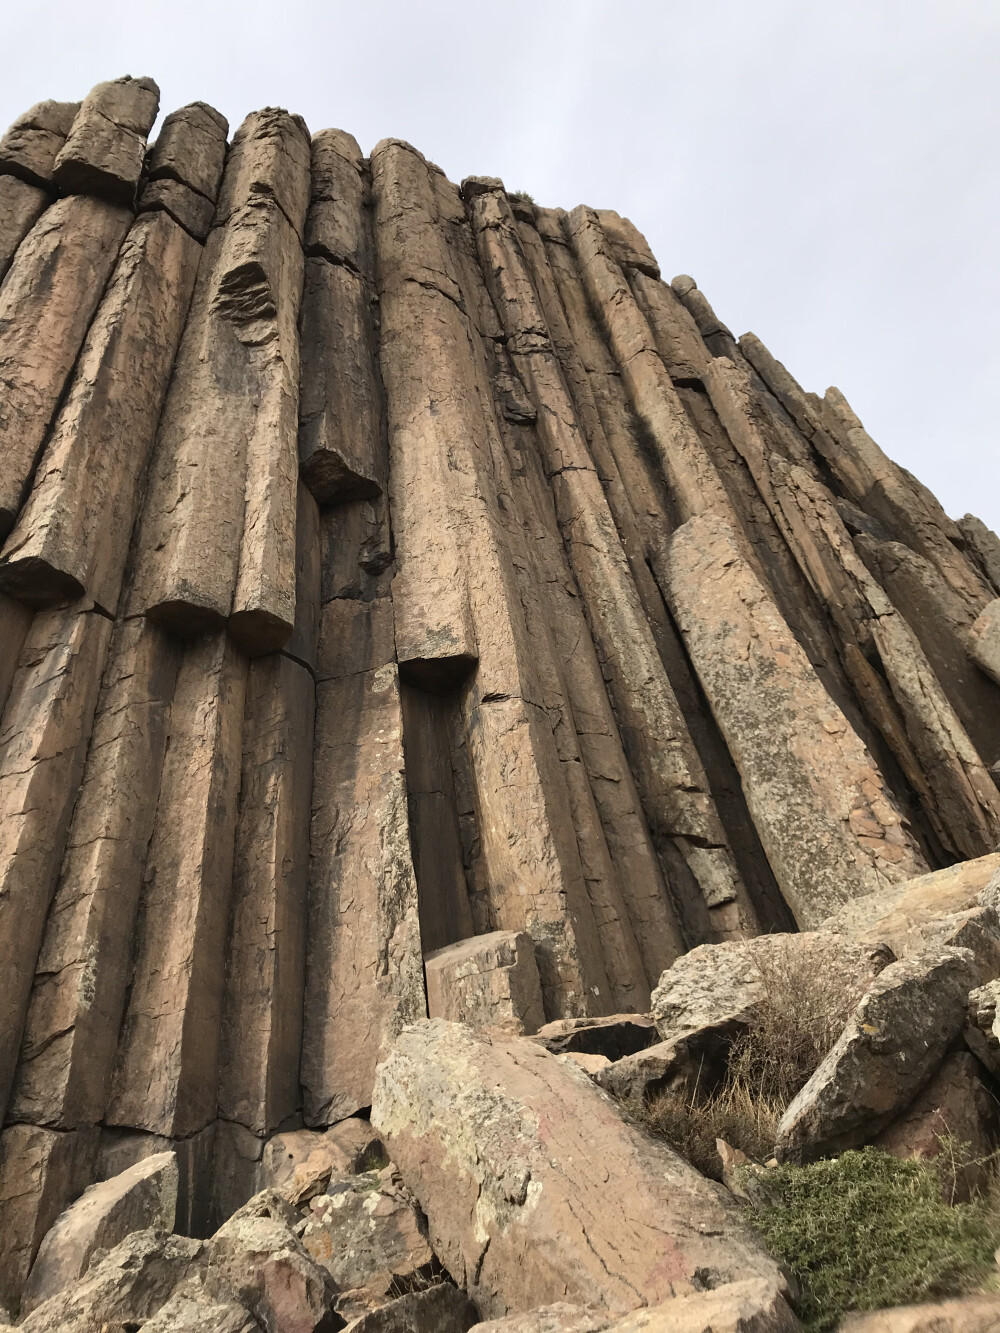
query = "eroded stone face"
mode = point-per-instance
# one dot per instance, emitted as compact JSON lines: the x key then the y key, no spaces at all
{"x":487,"y":1134}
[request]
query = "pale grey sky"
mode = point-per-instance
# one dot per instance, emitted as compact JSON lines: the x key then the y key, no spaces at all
{"x":826,"y":171}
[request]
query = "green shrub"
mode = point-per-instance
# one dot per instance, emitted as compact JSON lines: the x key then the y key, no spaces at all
{"x":866,"y":1230}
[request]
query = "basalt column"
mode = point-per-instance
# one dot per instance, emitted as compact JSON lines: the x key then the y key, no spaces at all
{"x":455,"y":597}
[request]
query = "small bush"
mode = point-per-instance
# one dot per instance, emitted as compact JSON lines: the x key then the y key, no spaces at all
{"x":691,"y":1124}
{"x":522,"y":196}
{"x":865,"y":1230}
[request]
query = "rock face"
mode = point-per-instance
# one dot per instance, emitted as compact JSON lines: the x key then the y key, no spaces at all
{"x":409,"y":602}
{"x":488,"y":1135}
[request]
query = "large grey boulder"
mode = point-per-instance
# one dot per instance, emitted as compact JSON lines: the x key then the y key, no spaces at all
{"x":892,"y":1045}
{"x":535,"y":1188}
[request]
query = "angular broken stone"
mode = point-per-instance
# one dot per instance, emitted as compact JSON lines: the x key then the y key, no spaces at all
{"x":191,"y":149}
{"x":487,"y":981}
{"x":366,"y":1237}
{"x":106,"y":145}
{"x":29,"y":148}
{"x":441,"y":1308}
{"x":129,"y":1285}
{"x":300,"y":1162}
{"x":488,"y":1134}
{"x":614,"y":1036}
{"x":891,"y":1046}
{"x":144,"y":1196}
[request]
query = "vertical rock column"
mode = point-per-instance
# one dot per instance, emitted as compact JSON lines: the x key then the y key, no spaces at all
{"x":27,"y":155}
{"x":262,"y":1014}
{"x":46,"y":303}
{"x":43,"y":738}
{"x":364,"y":978}
{"x":455,"y":595}
{"x":959,"y":796}
{"x":218,"y":532}
{"x":167,"y":1064}
{"x":669,"y":774}
{"x":106,"y":144}
{"x":828,"y":824}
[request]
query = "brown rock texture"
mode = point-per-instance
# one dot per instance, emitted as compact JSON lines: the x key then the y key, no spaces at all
{"x":409,"y":601}
{"x":487,"y":1132}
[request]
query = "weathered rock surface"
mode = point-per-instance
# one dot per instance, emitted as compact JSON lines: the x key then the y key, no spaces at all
{"x":892,"y":1044}
{"x":299,"y":1163}
{"x":29,"y":148}
{"x":72,"y":535}
{"x":367,"y":1236}
{"x":21,"y":205}
{"x":438,"y":1309}
{"x":144,"y":1196}
{"x":46,"y":303}
{"x":954,"y":1105}
{"x":489,"y":981}
{"x":971,"y":1314}
{"x":751,"y":1306}
{"x":106,"y":144}
{"x":984,"y":640}
{"x":713,"y":990}
{"x":490,"y":1136}
{"x":615,"y":1036}
{"x":824,"y":814}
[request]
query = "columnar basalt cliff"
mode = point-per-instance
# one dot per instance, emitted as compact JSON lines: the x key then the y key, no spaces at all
{"x":388,"y":563}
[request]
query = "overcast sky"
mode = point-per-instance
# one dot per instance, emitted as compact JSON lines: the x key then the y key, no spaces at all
{"x":827,"y":170}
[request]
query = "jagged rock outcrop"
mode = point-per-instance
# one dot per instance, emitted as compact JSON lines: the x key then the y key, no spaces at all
{"x":408,"y":599}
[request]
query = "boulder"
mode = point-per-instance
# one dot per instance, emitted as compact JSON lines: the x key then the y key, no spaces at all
{"x":256,"y":1259}
{"x":950,"y":907}
{"x":890,"y":1048}
{"x":755,"y":1305}
{"x":489,"y":981}
{"x":713,"y":990}
{"x":954,"y":1106}
{"x":590,"y":1064}
{"x":971,"y":1314}
{"x":299,"y":1164}
{"x":191,"y":1309}
{"x":534,"y":1187}
{"x":144,"y":1196}
{"x":615,"y":1036}
{"x":641,"y":1076}
{"x":128,"y":1286}
{"x":367,"y":1233}
{"x":438,"y":1309}
{"x":982,"y":1033}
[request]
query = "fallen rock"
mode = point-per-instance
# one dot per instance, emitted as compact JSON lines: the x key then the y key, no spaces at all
{"x":890,"y":1048}
{"x":713,"y":990}
{"x":590,"y":1064}
{"x":132,"y":1283}
{"x":954,"y":1106}
{"x":489,"y":981}
{"x":971,"y":1314}
{"x":616,"y":1036}
{"x":256,"y":1259}
{"x":755,"y":1305}
{"x":143,"y":1197}
{"x":299,"y":1164}
{"x":438,"y":1309}
{"x":943,"y":908}
{"x":641,"y":1076}
{"x":366,"y":1236}
{"x":191,"y":1309}
{"x":499,"y":1142}
{"x":982,"y":1033}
